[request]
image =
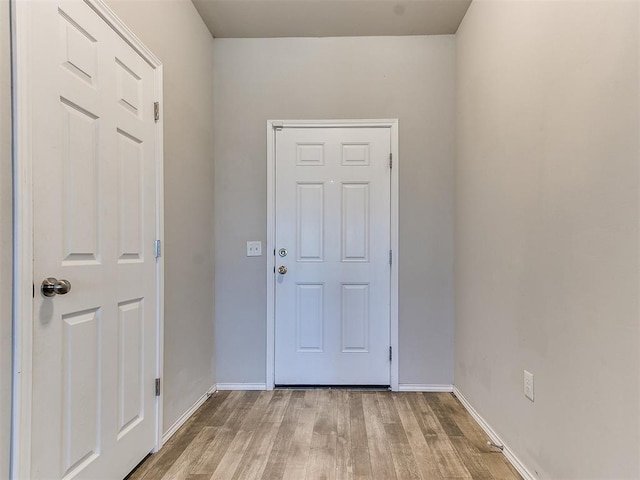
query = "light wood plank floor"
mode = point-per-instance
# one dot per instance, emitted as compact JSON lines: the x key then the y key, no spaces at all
{"x":328,"y":434}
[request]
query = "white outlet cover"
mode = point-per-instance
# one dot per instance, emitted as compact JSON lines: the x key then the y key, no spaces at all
{"x":528,"y":385}
{"x":254,"y":248}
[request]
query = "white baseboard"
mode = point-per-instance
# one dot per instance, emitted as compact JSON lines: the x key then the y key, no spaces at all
{"x":186,"y":415}
{"x":242,"y":386}
{"x":508,"y":453}
{"x":424,"y":387}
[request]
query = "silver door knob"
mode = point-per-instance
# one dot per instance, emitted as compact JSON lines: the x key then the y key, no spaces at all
{"x":52,"y":287}
{"x":282,"y":269}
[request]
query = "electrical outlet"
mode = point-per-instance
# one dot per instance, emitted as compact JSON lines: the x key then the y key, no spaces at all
{"x":254,"y":248}
{"x":528,"y":385}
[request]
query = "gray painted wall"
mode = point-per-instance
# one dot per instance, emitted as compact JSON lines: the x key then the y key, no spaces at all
{"x":547,"y":230}
{"x":6,"y":244}
{"x":410,"y":78}
{"x":179,"y":37}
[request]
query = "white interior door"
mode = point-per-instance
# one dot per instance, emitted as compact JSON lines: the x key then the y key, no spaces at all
{"x":332,"y":235}
{"x":94,"y":224}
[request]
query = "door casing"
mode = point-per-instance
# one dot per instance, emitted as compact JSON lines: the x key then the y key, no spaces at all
{"x":272,"y":127}
{"x":23,"y":281}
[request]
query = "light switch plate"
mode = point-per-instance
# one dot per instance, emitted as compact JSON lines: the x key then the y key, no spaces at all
{"x":254,"y":248}
{"x":528,"y":385}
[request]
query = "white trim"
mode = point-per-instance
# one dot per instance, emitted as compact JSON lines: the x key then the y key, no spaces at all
{"x":242,"y":386}
{"x":23,"y":225}
{"x":425,"y":387}
{"x":494,"y":437}
{"x":159,"y":145}
{"x":187,"y":415}
{"x":271,"y":261}
{"x":391,"y":124}
{"x":23,"y":246}
{"x":395,"y":248}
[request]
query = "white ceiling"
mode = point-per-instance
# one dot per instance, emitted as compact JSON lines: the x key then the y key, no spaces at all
{"x":330,"y":18}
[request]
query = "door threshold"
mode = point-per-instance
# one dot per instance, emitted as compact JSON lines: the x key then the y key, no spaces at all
{"x":375,"y":388}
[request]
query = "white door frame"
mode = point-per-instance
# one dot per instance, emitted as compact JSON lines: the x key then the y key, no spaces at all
{"x":272,"y":127}
{"x":23,"y":281}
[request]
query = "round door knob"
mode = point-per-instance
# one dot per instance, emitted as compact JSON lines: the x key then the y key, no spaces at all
{"x":52,"y":287}
{"x":282,"y":269}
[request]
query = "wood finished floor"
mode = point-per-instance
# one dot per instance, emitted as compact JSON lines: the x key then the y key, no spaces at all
{"x":327,"y":434}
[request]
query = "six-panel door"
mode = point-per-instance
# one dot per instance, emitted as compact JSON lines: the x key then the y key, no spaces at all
{"x":332,"y":322}
{"x":94,"y":190}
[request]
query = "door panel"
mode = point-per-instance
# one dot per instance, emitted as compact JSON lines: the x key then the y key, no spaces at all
{"x":332,"y":322}
{"x":94,"y":194}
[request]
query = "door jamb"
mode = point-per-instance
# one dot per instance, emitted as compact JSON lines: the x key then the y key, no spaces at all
{"x":23,"y":281}
{"x":272,"y":127}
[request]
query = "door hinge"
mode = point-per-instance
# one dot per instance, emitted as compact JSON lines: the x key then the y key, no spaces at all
{"x":390,"y":353}
{"x":390,"y":257}
{"x":157,"y":248}
{"x":156,"y":111}
{"x":157,"y":387}
{"x":391,"y":160}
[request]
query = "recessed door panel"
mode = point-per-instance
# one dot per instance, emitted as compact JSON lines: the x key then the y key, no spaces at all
{"x":80,"y":189}
{"x":129,"y":87}
{"x":130,"y":364}
{"x":81,"y":390}
{"x":79,"y":50}
{"x":310,"y":154}
{"x":355,"y":154}
{"x":355,"y":222}
{"x":130,"y":197}
{"x":310,"y":222}
{"x":310,"y":317}
{"x":355,"y":318}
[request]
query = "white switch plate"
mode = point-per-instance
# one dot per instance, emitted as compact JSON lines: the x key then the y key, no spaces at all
{"x":528,"y":385}
{"x":254,"y":248}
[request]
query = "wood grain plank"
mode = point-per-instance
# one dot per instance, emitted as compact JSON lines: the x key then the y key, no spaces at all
{"x":322,"y":458}
{"x":443,"y":414}
{"x":471,"y":458}
{"x":240,"y":416}
{"x":344,"y":461}
{"x":382,"y":466}
{"x":471,"y":430}
{"x":219,"y":417}
{"x":296,"y":465}
{"x":499,"y":467}
{"x":387,"y":408}
{"x":156,"y":465}
{"x":231,"y":459}
{"x":358,"y":435}
{"x":449,"y":462}
{"x":254,"y":460}
{"x":427,"y":421}
{"x":181,"y":468}
{"x":425,"y":458}
{"x":277,"y":459}
{"x":405,"y":464}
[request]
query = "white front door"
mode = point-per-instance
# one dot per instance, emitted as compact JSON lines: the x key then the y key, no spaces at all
{"x":93,"y":408}
{"x":332,"y":235}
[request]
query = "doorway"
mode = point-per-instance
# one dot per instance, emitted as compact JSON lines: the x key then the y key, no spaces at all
{"x":332,"y":238}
